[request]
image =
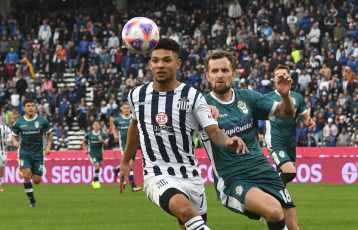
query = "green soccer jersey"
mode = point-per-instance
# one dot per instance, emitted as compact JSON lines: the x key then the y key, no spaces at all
{"x":283,"y":132}
{"x":122,"y":124}
{"x":32,"y":133}
{"x":239,"y":118}
{"x":95,"y":146}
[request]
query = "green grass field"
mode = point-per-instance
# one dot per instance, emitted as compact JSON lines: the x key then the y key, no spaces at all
{"x":319,"y":206}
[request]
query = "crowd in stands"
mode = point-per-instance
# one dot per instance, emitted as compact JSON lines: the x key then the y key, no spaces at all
{"x":316,"y":39}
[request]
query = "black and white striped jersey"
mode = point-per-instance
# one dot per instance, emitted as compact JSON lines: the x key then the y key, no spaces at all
{"x":5,"y":134}
{"x":168,"y":124}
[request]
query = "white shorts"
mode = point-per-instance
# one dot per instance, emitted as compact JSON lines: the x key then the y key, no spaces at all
{"x":3,"y":160}
{"x":193,"y":187}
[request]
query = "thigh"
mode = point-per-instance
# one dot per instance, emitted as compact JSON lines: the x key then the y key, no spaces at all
{"x":281,"y":155}
{"x":195,"y":189}
{"x":3,"y":160}
{"x":95,"y":159}
{"x":38,"y":166}
{"x":154,"y":187}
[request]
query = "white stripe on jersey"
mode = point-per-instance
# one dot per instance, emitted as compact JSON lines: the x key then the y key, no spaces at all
{"x":168,"y":124}
{"x":5,"y":134}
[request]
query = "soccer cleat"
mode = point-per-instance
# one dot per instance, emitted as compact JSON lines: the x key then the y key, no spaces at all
{"x":1,"y":190}
{"x":96,"y":184}
{"x":136,"y":189}
{"x":264,"y":220}
{"x":115,"y":173}
{"x":33,"y":205}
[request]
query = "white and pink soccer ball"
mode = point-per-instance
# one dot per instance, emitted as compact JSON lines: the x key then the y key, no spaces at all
{"x":140,"y":35}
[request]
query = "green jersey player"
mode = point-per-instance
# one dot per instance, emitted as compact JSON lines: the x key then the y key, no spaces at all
{"x":280,"y":135}
{"x":120,"y":131}
{"x":247,"y":183}
{"x":96,"y":141}
{"x":31,"y":127}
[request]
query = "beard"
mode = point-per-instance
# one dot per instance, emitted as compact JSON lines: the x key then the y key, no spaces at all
{"x":221,"y":91}
{"x":162,"y":81}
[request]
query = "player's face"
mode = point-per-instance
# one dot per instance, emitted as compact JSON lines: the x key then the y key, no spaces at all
{"x":126,"y":109}
{"x":164,"y":64}
{"x":220,"y":75}
{"x":280,"y":73}
{"x":95,"y":126}
{"x":30,"y":109}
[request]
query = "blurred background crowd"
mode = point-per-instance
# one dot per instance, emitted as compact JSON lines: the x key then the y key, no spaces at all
{"x":69,"y":56}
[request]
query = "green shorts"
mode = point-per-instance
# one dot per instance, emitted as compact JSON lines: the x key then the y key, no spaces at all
{"x":95,"y":159}
{"x":282,"y":154}
{"x":35,"y":162}
{"x":267,"y":180}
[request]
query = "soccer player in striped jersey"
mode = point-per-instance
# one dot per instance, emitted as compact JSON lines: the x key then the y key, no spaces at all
{"x":247,"y":183}
{"x":280,"y":135}
{"x":166,"y":118}
{"x":96,"y":141}
{"x":120,"y":131}
{"x":5,"y":138}
{"x":32,"y":128}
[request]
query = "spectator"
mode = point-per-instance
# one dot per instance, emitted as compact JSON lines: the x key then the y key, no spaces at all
{"x":313,"y":36}
{"x":301,"y":134}
{"x":21,"y":85}
{"x":12,"y":56}
{"x":355,"y":138}
{"x":235,"y":10}
{"x":330,"y":127}
{"x":15,"y":99}
{"x":62,"y":143}
{"x":310,"y":142}
{"x":45,"y":32}
{"x":344,"y":139}
{"x":47,"y":86}
{"x":330,"y":140}
{"x":70,"y":114}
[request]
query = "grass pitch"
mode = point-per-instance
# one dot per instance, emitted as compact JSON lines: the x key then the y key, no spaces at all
{"x":319,"y":206}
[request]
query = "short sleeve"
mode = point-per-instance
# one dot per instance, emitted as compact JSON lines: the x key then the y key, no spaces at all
{"x":202,"y":112}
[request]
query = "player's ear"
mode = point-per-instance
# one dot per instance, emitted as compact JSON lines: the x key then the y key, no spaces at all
{"x":233,"y":75}
{"x":178,"y":64}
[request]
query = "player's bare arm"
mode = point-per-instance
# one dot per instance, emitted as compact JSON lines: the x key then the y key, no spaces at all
{"x":115,"y":134}
{"x":308,"y":121}
{"x":15,"y":141}
{"x":130,"y":150}
{"x":84,"y":146}
{"x":286,"y":108}
{"x":49,"y":138}
{"x":221,"y":139}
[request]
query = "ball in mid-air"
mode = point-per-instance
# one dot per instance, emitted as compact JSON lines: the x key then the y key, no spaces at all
{"x":140,"y":35}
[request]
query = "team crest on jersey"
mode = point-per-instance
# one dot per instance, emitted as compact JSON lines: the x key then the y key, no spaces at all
{"x":238,"y":190}
{"x":282,"y":154}
{"x":183,"y":104}
{"x":37,"y":124}
{"x":242,"y":106}
{"x":161,"y":118}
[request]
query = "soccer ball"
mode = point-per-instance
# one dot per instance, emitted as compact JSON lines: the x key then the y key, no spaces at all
{"x":140,"y":35}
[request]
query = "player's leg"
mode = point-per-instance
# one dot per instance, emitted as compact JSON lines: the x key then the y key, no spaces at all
{"x":96,"y":162}
{"x":288,"y":172}
{"x":291,"y":218}
{"x":284,"y":157}
{"x":168,"y":193}
{"x":1,"y":173}
{"x":265,"y":205}
{"x":3,"y":160}
{"x":28,"y":186}
{"x":135,"y":188}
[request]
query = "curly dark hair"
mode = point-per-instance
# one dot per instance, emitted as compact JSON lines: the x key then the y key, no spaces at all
{"x":168,"y":44}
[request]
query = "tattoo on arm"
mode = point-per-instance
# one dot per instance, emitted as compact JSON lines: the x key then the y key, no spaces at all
{"x":49,"y":139}
{"x":219,"y":138}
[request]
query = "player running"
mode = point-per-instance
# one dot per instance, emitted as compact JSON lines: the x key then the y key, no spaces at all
{"x":31,"y":127}
{"x":247,"y":183}
{"x":120,"y":131}
{"x":96,"y":141}
{"x":280,"y":135}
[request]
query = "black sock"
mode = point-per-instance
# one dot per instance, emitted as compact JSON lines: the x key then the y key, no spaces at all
{"x":96,"y":173}
{"x":277,"y":225}
{"x":29,"y":192}
{"x":116,"y":170}
{"x":131,"y":179}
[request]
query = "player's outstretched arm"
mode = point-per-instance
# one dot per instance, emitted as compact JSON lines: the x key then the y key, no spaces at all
{"x":286,"y":108}
{"x":84,"y":146}
{"x":308,"y":121}
{"x":130,"y":150}
{"x":49,"y":137}
{"x":221,"y":139}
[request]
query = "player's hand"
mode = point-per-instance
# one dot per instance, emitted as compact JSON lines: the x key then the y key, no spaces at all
{"x":5,"y":140}
{"x":47,"y":151}
{"x":214,"y":112}
{"x":123,"y":176}
{"x":17,"y":145}
{"x":86,"y":152}
{"x":116,"y":137}
{"x":283,"y":85}
{"x":238,"y":144}
{"x":311,"y":124}
{"x":100,"y":139}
